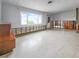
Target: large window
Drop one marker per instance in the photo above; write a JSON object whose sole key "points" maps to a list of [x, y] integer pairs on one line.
{"points": [[30, 19]]}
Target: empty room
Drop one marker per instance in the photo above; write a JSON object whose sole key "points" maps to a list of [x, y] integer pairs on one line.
{"points": [[39, 28]]}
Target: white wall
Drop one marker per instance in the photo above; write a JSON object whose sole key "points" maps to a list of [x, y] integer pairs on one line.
{"points": [[67, 15], [0, 11], [78, 14], [11, 14]]}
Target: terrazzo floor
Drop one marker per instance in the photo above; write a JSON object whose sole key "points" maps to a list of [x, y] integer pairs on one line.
{"points": [[47, 44]]}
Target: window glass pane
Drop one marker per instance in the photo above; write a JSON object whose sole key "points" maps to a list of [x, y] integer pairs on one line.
{"points": [[30, 19], [40, 19], [23, 19], [34, 19]]}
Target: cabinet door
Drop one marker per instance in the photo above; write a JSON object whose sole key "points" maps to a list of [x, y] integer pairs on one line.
{"points": [[9, 44], [1, 45]]}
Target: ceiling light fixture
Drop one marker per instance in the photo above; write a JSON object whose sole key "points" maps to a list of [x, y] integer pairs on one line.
{"points": [[49, 2]]}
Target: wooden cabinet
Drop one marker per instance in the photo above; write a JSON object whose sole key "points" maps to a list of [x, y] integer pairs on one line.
{"points": [[77, 27], [69, 24], [7, 39]]}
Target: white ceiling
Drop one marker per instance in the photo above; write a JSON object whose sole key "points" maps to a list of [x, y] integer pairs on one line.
{"points": [[42, 5]]}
